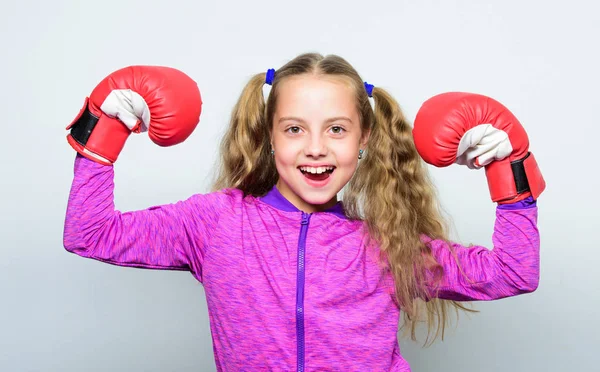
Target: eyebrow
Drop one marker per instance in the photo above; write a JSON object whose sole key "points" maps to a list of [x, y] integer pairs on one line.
{"points": [[337, 118]]}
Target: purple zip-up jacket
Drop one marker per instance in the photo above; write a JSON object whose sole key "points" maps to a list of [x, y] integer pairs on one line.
{"points": [[288, 290]]}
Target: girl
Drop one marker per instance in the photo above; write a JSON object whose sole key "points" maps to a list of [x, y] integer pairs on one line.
{"points": [[294, 277]]}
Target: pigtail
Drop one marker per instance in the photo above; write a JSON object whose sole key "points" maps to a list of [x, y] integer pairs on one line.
{"points": [[399, 208], [246, 161]]}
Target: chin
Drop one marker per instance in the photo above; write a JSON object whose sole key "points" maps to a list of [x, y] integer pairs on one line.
{"points": [[317, 198]]}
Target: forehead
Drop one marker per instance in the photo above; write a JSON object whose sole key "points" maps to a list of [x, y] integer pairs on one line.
{"points": [[315, 95]]}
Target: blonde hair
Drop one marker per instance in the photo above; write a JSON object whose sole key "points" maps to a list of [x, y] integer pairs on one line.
{"points": [[390, 190]]}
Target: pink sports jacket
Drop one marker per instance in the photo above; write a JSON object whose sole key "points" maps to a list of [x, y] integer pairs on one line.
{"points": [[288, 290]]}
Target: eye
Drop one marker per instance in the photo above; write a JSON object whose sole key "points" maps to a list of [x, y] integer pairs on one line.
{"points": [[337, 130], [293, 130]]}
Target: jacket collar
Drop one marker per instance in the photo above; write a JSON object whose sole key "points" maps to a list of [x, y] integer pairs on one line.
{"points": [[276, 200]]}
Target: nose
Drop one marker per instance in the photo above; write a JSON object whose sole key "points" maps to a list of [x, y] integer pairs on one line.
{"points": [[316, 146]]}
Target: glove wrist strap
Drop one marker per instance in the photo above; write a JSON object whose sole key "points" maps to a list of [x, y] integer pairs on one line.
{"points": [[98, 138], [511, 181]]}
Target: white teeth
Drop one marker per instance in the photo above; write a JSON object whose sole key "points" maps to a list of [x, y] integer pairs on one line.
{"points": [[317, 170]]}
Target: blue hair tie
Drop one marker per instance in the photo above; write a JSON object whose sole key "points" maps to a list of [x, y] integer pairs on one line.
{"points": [[369, 89], [270, 76]]}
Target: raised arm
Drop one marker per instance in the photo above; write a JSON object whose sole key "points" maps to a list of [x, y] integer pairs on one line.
{"points": [[479, 132], [166, 103]]}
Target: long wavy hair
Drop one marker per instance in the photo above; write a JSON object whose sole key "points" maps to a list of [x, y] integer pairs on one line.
{"points": [[390, 191]]}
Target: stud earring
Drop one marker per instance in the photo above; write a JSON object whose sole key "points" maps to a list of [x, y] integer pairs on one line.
{"points": [[272, 152], [360, 154]]}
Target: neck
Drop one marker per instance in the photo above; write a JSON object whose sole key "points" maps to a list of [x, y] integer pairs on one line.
{"points": [[301, 204]]}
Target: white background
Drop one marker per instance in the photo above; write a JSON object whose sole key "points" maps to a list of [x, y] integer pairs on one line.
{"points": [[60, 312]]}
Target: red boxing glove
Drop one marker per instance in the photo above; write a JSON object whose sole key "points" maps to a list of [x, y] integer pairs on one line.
{"points": [[163, 101], [478, 131]]}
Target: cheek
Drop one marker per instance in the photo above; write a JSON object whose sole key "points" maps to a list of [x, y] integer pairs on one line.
{"points": [[286, 150], [346, 155], [284, 160], [285, 156]]}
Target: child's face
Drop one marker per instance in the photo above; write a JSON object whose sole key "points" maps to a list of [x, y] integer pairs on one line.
{"points": [[315, 124]]}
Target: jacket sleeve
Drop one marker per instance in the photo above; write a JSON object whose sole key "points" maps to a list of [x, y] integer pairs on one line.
{"points": [[166, 237], [477, 273]]}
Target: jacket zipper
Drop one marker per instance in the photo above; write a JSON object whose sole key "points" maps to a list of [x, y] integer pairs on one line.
{"points": [[300, 290]]}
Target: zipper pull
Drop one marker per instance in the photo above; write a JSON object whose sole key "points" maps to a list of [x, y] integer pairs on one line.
{"points": [[304, 218]]}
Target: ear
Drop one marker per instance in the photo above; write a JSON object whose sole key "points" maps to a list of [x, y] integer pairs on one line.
{"points": [[365, 139]]}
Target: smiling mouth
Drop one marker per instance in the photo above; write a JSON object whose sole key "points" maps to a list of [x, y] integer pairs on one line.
{"points": [[319, 175]]}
